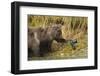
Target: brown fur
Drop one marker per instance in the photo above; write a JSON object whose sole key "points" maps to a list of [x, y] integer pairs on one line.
{"points": [[40, 39]]}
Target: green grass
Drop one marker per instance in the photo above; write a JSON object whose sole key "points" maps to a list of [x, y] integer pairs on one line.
{"points": [[74, 28]]}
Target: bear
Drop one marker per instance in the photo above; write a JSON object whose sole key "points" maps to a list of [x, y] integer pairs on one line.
{"points": [[40, 39]]}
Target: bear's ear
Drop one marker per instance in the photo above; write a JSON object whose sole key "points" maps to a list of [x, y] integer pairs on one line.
{"points": [[62, 23]]}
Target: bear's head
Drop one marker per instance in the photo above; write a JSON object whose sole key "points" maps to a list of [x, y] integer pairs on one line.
{"points": [[57, 33]]}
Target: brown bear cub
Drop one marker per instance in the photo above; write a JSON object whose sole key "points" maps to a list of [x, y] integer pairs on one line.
{"points": [[40, 39]]}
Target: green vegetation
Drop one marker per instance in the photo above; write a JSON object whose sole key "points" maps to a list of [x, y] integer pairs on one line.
{"points": [[74, 28]]}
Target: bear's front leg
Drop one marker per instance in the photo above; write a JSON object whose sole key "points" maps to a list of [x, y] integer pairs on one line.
{"points": [[45, 47]]}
